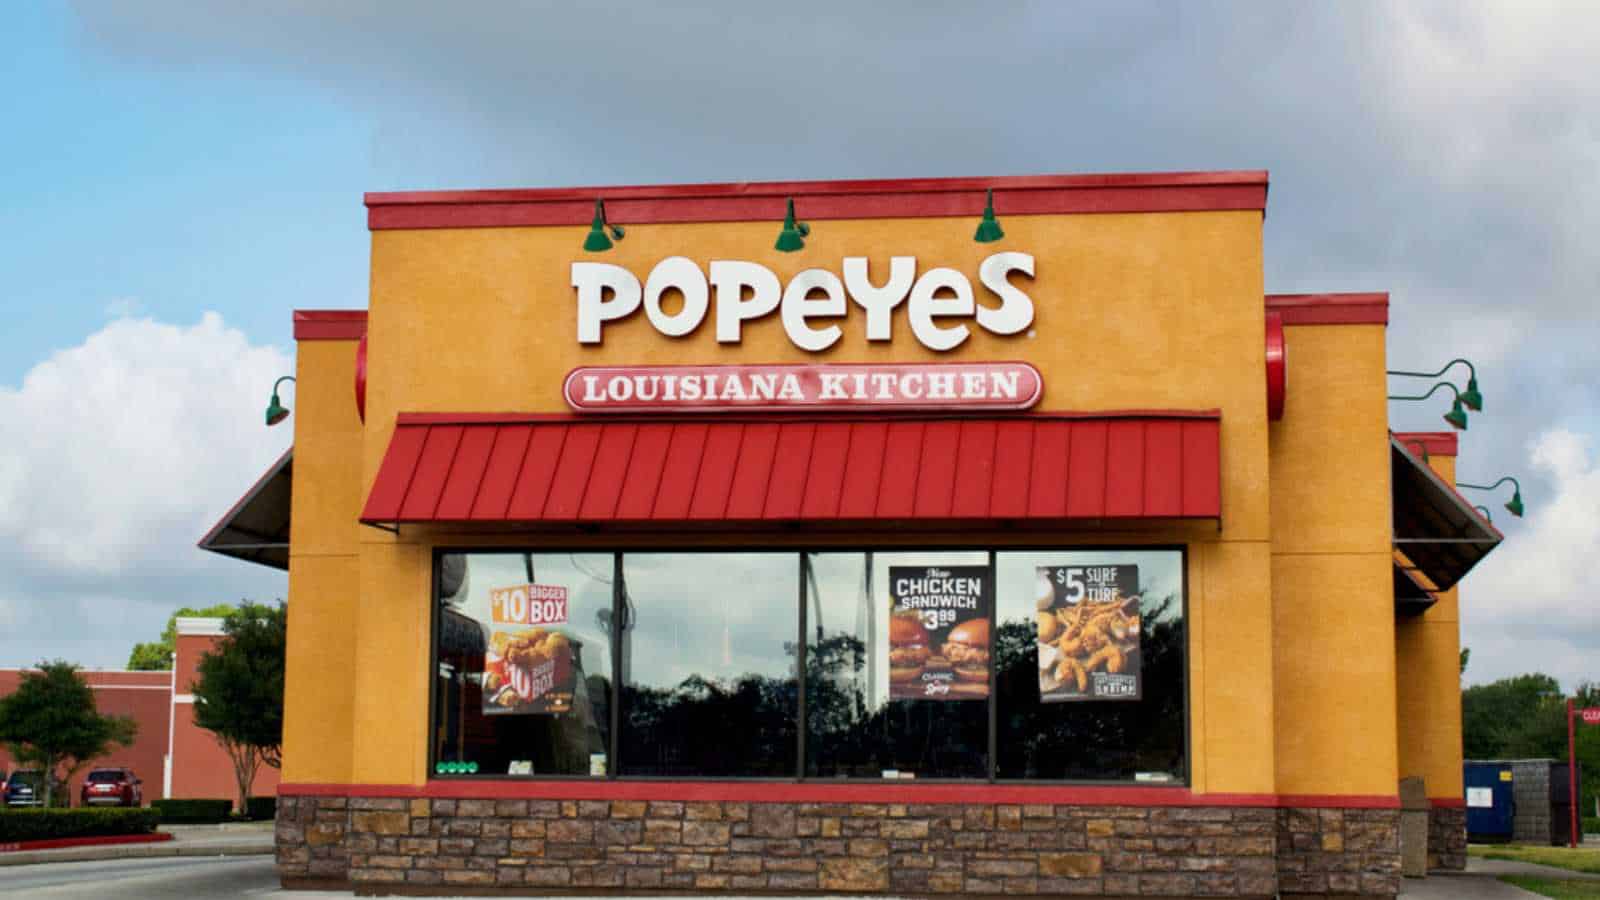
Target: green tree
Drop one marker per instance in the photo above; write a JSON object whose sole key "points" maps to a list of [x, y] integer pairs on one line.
{"points": [[239, 694], [1525, 717], [51, 721], [156, 656]]}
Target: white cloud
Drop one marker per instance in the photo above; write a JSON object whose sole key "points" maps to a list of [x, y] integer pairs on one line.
{"points": [[1530, 605], [117, 451], [116, 455]]}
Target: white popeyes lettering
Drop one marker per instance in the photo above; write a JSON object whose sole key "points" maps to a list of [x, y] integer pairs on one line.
{"points": [[730, 278], [1016, 308], [879, 302], [676, 272], [592, 281], [798, 306], [607, 293], [926, 305]]}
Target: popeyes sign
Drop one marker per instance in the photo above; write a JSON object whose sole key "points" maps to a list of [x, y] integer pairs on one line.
{"points": [[941, 309], [939, 302]]}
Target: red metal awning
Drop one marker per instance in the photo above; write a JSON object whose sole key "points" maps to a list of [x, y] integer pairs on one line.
{"points": [[534, 469]]}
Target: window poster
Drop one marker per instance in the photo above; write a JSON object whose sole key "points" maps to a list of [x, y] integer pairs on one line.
{"points": [[939, 632], [529, 665], [1088, 630]]}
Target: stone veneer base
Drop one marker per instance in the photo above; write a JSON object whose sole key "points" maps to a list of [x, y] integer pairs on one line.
{"points": [[1447, 839], [434, 846]]}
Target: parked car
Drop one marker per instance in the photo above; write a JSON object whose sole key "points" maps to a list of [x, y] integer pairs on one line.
{"points": [[112, 787], [25, 787]]}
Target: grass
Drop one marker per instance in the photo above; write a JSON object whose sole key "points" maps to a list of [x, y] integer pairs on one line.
{"points": [[1561, 890], [1581, 859]]}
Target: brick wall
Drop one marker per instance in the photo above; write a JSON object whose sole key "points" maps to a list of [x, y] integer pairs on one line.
{"points": [[1447, 839], [387, 845]]}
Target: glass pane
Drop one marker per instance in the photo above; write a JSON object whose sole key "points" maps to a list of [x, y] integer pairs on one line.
{"points": [[710, 681], [1091, 677], [858, 724], [524, 666]]}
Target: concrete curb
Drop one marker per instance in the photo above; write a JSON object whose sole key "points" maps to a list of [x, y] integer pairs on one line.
{"points": [[136, 851]]}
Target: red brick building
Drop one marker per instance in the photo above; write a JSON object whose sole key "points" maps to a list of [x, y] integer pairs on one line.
{"points": [[174, 756]]}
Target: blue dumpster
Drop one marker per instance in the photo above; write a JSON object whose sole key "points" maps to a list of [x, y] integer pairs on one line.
{"points": [[1490, 805]]}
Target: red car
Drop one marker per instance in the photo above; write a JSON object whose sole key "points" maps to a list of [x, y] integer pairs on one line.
{"points": [[112, 787]]}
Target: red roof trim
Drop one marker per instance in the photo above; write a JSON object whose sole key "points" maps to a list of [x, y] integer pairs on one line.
{"points": [[573, 470], [820, 792], [329, 324], [820, 200], [514, 418], [1331, 309], [1438, 443]]}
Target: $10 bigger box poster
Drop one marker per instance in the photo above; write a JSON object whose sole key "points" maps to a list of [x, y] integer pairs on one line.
{"points": [[939, 632], [1088, 632], [528, 668]]}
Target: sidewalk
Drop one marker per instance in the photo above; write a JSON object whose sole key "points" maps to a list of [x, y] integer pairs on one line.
{"points": [[232, 839], [1481, 881]]}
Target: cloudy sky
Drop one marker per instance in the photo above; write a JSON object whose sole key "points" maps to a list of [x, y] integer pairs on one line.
{"points": [[172, 185]]}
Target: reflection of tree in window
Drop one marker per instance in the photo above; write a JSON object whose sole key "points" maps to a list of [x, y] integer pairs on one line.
{"points": [[711, 687]]}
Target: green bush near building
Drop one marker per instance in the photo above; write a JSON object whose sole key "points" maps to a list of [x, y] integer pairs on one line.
{"points": [[50, 824], [193, 812], [261, 808]]}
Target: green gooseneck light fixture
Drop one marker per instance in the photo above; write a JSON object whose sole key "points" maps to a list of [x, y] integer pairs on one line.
{"points": [[1457, 417], [989, 229], [794, 234], [1514, 505], [276, 411], [597, 242], [1470, 397]]}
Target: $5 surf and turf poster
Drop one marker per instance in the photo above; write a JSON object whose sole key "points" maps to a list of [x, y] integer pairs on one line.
{"points": [[529, 666], [1088, 629], [939, 632]]}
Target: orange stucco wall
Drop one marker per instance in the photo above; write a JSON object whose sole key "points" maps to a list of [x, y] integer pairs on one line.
{"points": [[1428, 686], [320, 668], [1133, 311], [1333, 629]]}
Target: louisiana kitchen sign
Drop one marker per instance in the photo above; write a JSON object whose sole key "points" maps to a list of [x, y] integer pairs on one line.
{"points": [[842, 386]]}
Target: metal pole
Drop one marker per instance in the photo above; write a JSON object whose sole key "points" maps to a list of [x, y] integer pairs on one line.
{"points": [[1572, 778]]}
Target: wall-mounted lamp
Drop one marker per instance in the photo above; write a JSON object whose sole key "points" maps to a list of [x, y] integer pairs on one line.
{"points": [[597, 242], [988, 229], [1457, 417], [276, 411], [1514, 505], [1470, 397], [794, 234]]}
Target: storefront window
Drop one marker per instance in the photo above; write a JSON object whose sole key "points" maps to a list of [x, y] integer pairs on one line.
{"points": [[1091, 676], [709, 667], [882, 697], [523, 681], [1056, 665]]}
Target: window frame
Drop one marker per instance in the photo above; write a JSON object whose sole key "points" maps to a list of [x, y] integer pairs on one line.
{"points": [[619, 615]]}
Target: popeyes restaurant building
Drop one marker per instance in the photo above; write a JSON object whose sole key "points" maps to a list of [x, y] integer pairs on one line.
{"points": [[940, 551]]}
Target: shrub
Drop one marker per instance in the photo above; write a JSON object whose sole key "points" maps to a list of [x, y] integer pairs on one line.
{"points": [[1591, 824], [46, 824], [193, 812], [260, 808]]}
